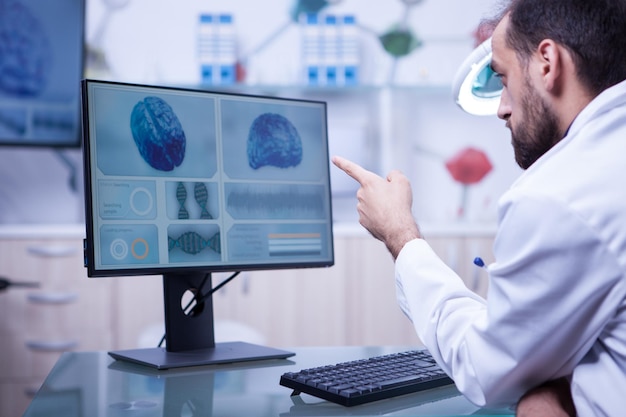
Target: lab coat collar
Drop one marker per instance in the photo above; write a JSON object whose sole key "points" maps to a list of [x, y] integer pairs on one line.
{"points": [[609, 99]]}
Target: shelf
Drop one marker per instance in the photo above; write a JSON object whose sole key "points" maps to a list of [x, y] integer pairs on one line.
{"points": [[42, 231], [259, 89]]}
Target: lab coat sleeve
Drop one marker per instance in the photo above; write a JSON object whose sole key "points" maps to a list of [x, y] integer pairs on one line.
{"points": [[551, 291]]}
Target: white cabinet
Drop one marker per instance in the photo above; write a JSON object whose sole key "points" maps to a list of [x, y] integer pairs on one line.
{"points": [[351, 303], [66, 312]]}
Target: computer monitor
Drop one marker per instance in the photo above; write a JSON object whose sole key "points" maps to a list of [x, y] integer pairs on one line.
{"points": [[183, 183], [41, 65]]}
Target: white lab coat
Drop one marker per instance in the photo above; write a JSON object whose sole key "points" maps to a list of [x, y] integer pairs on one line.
{"points": [[556, 304]]}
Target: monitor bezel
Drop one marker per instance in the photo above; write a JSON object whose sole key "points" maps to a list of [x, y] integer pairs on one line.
{"points": [[76, 142], [89, 247]]}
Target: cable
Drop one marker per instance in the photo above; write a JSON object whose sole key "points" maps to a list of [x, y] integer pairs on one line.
{"points": [[221, 284], [6, 283], [199, 299], [196, 298]]}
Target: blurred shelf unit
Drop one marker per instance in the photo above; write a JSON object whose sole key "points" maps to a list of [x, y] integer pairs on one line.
{"points": [[64, 313]]}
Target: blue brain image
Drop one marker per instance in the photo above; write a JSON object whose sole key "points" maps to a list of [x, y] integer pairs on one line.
{"points": [[158, 134], [25, 51], [273, 140]]}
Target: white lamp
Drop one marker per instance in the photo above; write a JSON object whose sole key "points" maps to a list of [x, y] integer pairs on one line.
{"points": [[476, 88]]}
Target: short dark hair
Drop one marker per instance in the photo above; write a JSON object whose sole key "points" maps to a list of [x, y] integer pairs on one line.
{"points": [[594, 32]]}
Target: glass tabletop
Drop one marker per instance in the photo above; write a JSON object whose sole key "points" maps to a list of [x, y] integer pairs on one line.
{"points": [[94, 384]]}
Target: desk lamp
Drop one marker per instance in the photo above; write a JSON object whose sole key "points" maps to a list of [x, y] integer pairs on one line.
{"points": [[476, 87]]}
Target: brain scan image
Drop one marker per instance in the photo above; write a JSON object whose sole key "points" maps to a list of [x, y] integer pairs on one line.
{"points": [[158, 133], [25, 51], [273, 141]]}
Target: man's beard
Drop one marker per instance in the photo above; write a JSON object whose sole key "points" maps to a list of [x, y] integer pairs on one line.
{"points": [[540, 131]]}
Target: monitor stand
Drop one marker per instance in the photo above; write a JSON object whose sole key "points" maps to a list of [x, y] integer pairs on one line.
{"points": [[190, 338]]}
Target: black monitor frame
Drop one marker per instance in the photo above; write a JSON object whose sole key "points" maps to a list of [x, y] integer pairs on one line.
{"points": [[190, 339], [11, 102]]}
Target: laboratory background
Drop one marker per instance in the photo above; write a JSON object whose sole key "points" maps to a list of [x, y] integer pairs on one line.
{"points": [[390, 106]]}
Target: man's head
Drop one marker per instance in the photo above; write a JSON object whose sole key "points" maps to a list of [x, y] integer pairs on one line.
{"points": [[554, 57], [594, 32]]}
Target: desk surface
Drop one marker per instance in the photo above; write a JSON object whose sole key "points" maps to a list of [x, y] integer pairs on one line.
{"points": [[93, 384]]}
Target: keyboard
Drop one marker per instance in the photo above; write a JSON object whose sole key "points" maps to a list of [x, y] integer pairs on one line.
{"points": [[366, 380]]}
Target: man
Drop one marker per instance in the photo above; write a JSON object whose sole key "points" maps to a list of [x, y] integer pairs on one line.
{"points": [[553, 326]]}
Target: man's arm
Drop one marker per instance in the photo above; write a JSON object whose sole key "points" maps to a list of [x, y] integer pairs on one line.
{"points": [[552, 399], [384, 205]]}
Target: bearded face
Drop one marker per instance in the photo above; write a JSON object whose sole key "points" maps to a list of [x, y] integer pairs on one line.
{"points": [[537, 132]]}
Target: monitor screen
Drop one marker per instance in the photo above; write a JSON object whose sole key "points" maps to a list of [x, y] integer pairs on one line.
{"points": [[184, 182], [41, 65]]}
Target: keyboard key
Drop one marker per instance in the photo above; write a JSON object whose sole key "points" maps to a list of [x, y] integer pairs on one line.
{"points": [[397, 382]]}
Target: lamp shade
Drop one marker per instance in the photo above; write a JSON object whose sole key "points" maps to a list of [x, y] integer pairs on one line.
{"points": [[476, 88]]}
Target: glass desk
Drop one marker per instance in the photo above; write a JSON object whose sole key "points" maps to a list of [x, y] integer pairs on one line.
{"points": [[95, 385]]}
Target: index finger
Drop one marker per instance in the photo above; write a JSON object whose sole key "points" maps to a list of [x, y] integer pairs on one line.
{"points": [[353, 169]]}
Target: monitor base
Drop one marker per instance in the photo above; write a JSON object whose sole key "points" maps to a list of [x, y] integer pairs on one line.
{"points": [[227, 352]]}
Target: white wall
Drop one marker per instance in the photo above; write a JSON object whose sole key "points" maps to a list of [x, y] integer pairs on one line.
{"points": [[154, 41]]}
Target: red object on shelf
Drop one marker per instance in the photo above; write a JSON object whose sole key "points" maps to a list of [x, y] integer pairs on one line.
{"points": [[469, 166], [240, 72]]}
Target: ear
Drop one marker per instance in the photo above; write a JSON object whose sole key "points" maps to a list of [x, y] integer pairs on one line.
{"points": [[550, 62]]}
